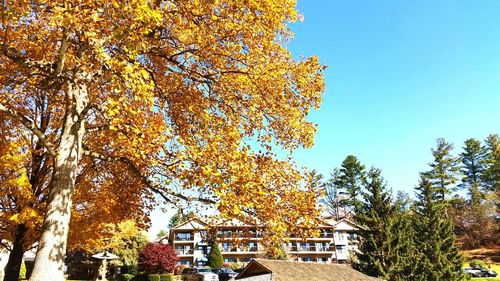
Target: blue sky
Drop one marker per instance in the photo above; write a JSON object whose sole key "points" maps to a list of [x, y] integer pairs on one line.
{"points": [[400, 74]]}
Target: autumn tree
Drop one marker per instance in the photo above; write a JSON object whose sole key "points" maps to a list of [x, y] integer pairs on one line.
{"points": [[161, 95], [127, 241], [157, 258], [24, 172]]}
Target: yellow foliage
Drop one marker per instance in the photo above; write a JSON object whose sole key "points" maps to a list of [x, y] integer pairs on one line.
{"points": [[176, 91]]}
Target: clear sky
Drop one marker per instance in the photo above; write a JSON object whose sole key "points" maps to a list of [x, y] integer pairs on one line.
{"points": [[400, 74]]}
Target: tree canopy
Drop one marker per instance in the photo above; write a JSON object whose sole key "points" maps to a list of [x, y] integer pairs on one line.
{"points": [[163, 98]]}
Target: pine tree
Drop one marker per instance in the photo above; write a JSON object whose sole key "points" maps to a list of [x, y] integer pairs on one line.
{"points": [[352, 178], [473, 166], [444, 168], [491, 175], [214, 257], [382, 239], [437, 256], [402, 240]]}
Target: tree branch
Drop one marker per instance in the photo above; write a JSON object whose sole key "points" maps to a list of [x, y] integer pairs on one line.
{"points": [[29, 124], [156, 188]]}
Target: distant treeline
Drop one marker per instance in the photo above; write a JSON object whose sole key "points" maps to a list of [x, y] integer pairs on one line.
{"points": [[418, 239]]}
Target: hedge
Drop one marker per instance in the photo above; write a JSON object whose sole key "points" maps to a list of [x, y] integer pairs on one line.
{"points": [[147, 277], [125, 277], [167, 277]]}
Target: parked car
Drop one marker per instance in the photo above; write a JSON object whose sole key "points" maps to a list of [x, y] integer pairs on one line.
{"points": [[473, 272], [225, 274], [198, 274], [488, 273], [480, 272]]}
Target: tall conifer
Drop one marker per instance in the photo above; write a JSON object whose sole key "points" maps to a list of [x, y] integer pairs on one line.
{"points": [[491, 175], [385, 245], [214, 258], [444, 168], [352, 178], [473, 167], [437, 256]]}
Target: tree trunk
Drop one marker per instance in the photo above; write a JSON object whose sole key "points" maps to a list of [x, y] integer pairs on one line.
{"points": [[51, 252], [16, 256]]}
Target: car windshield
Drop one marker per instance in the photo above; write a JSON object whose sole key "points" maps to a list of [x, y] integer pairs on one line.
{"points": [[228, 270], [204, 270]]}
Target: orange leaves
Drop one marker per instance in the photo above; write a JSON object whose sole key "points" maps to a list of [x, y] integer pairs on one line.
{"points": [[185, 91]]}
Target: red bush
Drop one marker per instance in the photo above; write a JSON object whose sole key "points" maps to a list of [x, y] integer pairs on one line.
{"points": [[157, 258]]}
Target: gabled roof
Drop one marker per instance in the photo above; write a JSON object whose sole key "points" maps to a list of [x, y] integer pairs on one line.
{"points": [[288, 270], [192, 223], [345, 224]]}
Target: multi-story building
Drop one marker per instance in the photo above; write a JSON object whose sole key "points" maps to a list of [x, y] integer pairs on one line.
{"points": [[240, 242]]}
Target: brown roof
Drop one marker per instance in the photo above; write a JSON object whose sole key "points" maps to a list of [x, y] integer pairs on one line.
{"points": [[289, 270]]}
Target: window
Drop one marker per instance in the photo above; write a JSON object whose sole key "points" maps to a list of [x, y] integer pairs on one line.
{"points": [[183, 236], [184, 262], [226, 247], [229, 260]]}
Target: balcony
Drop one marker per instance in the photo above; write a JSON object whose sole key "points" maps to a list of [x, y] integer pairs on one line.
{"points": [[340, 239], [326, 235], [248, 249], [303, 249], [185, 252], [180, 237]]}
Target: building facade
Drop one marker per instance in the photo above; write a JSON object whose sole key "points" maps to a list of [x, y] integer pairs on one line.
{"points": [[240, 242]]}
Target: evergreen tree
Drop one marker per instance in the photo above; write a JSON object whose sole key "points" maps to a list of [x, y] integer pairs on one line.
{"points": [[444, 168], [491, 175], [386, 241], [402, 240], [214, 257], [179, 218], [162, 233], [351, 179], [437, 256], [473, 166]]}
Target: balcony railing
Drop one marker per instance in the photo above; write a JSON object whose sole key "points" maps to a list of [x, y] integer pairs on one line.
{"points": [[248, 249], [183, 238], [226, 249], [303, 249], [312, 249], [185, 252]]}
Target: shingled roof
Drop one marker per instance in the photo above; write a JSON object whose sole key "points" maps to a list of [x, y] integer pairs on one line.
{"points": [[289, 270]]}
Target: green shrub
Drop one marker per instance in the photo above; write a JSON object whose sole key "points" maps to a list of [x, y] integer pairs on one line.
{"points": [[153, 277], [215, 259], [167, 277], [477, 264], [125, 277], [140, 277], [22, 271]]}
